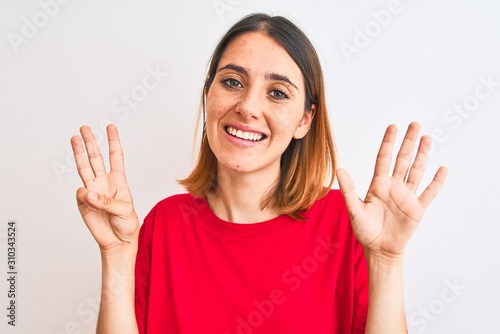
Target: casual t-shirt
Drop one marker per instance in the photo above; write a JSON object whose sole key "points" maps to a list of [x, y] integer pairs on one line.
{"points": [[196, 273]]}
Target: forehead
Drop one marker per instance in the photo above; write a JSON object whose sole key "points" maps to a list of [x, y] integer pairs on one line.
{"points": [[260, 54]]}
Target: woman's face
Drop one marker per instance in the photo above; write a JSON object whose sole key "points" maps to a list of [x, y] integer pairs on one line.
{"points": [[255, 105]]}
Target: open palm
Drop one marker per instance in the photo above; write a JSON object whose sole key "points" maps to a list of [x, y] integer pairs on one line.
{"points": [[105, 202], [391, 211]]}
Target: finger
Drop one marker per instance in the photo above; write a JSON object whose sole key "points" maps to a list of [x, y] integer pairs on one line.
{"points": [[82, 163], [93, 152], [384, 156], [116, 160], [434, 187], [82, 201], [405, 154], [417, 169], [348, 191], [102, 202]]}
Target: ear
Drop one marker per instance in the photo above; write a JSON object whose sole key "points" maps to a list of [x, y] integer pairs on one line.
{"points": [[305, 123]]}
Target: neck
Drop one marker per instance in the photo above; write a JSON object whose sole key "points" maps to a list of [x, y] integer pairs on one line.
{"points": [[239, 196]]}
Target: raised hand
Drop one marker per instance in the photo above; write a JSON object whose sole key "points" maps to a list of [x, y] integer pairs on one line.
{"points": [[390, 213], [105, 202]]}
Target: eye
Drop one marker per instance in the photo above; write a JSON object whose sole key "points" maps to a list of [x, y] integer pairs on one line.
{"points": [[232, 83], [278, 94]]}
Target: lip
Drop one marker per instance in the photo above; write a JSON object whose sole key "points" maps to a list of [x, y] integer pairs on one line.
{"points": [[244, 128]]}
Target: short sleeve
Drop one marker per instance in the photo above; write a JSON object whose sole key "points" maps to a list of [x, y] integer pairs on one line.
{"points": [[142, 271], [360, 290]]}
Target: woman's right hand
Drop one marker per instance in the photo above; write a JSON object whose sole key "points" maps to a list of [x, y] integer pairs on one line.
{"points": [[105, 202]]}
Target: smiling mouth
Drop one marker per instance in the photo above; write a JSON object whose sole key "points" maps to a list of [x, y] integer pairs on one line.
{"points": [[251, 136]]}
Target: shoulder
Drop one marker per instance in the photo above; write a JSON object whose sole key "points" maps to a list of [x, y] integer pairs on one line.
{"points": [[333, 201], [173, 201], [333, 195], [175, 207], [330, 212]]}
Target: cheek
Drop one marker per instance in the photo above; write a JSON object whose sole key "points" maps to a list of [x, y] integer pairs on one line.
{"points": [[215, 111], [283, 122], [216, 106]]}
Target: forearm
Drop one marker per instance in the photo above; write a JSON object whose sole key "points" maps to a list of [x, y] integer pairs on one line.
{"points": [[385, 304], [117, 312]]}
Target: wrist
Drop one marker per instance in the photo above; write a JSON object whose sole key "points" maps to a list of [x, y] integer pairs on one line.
{"points": [[120, 256], [383, 260], [118, 271]]}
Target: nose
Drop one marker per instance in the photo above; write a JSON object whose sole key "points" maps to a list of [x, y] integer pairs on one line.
{"points": [[251, 104]]}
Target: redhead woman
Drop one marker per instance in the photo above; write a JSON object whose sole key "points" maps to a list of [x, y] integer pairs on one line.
{"points": [[259, 243]]}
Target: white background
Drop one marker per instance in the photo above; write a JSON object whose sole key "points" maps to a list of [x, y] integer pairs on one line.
{"points": [[76, 66]]}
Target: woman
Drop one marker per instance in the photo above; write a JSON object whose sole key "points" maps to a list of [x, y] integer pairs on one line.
{"points": [[258, 244]]}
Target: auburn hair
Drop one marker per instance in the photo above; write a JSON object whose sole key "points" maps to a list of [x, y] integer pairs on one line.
{"points": [[307, 166]]}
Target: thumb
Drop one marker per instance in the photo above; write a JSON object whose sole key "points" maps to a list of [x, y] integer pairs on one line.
{"points": [[95, 201], [348, 191]]}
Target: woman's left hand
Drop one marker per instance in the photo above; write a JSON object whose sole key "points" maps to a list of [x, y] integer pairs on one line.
{"points": [[391, 211]]}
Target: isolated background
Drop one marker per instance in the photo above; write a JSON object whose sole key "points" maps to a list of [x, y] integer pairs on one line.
{"points": [[75, 69]]}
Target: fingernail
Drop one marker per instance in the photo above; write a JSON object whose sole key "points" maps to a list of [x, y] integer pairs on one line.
{"points": [[93, 196]]}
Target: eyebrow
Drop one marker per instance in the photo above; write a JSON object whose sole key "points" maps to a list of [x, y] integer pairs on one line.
{"points": [[271, 76], [280, 77], [237, 68]]}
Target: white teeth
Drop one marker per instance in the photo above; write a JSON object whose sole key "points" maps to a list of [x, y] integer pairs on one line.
{"points": [[244, 135]]}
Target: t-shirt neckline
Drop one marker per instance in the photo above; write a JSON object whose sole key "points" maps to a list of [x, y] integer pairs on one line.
{"points": [[240, 230]]}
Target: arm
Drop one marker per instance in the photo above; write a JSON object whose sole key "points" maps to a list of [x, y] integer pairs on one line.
{"points": [[385, 295], [117, 312], [105, 204], [385, 221]]}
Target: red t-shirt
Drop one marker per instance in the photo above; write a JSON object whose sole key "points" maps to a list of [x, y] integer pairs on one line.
{"points": [[196, 273]]}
